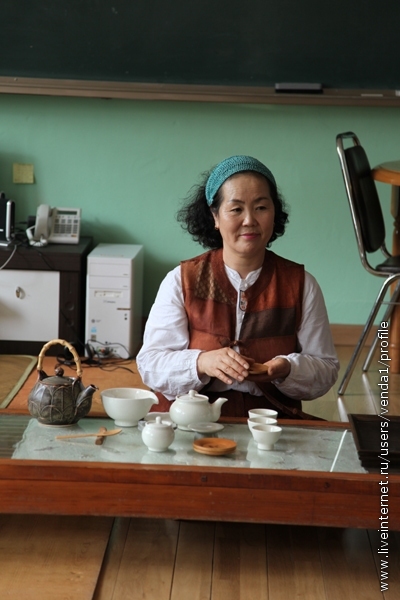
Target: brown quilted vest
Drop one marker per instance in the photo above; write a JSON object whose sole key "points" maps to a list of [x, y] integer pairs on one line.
{"points": [[273, 306]]}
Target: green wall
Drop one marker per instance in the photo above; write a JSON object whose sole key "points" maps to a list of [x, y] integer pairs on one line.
{"points": [[129, 164]]}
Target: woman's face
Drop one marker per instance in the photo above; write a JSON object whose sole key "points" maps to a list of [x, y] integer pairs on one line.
{"points": [[245, 217]]}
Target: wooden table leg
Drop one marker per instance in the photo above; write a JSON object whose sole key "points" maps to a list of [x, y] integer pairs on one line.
{"points": [[394, 343]]}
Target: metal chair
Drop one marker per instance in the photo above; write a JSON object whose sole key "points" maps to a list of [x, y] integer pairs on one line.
{"points": [[370, 233]]}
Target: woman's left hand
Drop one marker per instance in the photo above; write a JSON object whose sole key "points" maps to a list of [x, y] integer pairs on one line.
{"points": [[278, 368]]}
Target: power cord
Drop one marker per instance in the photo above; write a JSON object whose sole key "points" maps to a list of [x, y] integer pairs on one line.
{"points": [[107, 349], [104, 360], [10, 257], [40, 243]]}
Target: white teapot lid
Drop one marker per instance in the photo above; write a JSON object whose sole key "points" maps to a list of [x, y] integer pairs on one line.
{"points": [[192, 395]]}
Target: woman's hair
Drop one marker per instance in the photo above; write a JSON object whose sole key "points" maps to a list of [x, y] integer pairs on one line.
{"points": [[197, 219]]}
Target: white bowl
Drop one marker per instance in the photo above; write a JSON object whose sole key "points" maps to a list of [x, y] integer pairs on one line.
{"points": [[263, 412], [266, 436], [260, 421], [127, 405]]}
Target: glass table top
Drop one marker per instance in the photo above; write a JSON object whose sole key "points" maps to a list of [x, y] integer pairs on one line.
{"points": [[299, 448]]}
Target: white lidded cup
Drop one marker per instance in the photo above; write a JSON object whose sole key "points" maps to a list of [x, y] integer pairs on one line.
{"points": [[266, 436], [260, 421], [158, 436], [263, 412]]}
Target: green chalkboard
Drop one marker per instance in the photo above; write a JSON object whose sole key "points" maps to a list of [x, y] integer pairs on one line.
{"points": [[340, 44]]}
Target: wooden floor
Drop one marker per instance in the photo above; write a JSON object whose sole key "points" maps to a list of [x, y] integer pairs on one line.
{"points": [[81, 558]]}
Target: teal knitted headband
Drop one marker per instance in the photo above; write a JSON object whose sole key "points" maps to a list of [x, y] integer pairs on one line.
{"points": [[231, 166]]}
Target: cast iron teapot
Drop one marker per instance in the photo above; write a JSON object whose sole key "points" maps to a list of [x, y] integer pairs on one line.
{"points": [[60, 400]]}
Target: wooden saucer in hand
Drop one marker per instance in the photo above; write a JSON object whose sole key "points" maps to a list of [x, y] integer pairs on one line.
{"points": [[257, 369]]}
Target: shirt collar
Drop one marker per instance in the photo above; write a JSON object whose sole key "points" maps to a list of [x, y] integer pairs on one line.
{"points": [[239, 283]]}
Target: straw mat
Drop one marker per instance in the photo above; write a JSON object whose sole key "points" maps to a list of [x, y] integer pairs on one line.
{"points": [[14, 370]]}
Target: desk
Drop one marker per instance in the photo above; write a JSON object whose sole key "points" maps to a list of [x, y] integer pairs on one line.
{"points": [[68, 261], [389, 172], [105, 480]]}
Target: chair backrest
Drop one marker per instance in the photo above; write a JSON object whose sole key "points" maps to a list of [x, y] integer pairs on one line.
{"points": [[362, 194]]}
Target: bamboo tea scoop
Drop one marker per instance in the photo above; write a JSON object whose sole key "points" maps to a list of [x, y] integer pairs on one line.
{"points": [[100, 437], [100, 434]]}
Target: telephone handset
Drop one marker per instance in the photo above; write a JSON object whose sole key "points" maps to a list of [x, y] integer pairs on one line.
{"points": [[55, 226]]}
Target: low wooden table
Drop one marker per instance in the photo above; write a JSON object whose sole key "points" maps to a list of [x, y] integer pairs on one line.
{"points": [[389, 172], [194, 491]]}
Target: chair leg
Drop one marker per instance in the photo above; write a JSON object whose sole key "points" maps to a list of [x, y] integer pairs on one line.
{"points": [[363, 337], [386, 317]]}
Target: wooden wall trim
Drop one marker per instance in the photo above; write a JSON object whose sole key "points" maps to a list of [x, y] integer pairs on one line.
{"points": [[343, 335], [193, 93], [348, 335]]}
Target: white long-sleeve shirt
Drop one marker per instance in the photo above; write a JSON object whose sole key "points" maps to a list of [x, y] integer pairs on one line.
{"points": [[167, 365]]}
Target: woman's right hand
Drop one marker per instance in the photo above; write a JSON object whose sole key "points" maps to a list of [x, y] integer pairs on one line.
{"points": [[224, 364]]}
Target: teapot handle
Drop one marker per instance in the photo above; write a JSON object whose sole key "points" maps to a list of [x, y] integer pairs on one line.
{"points": [[67, 345]]}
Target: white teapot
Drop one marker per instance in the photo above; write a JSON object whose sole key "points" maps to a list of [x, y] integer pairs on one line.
{"points": [[195, 408]]}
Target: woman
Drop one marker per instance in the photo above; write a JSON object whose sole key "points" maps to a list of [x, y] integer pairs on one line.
{"points": [[239, 304]]}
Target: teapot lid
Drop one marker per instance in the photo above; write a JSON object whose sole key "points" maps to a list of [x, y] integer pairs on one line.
{"points": [[159, 423], [192, 395], [57, 379]]}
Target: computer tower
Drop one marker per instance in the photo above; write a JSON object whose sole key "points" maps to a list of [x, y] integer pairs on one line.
{"points": [[114, 298]]}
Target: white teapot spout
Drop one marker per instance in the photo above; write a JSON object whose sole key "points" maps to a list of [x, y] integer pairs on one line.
{"points": [[215, 408]]}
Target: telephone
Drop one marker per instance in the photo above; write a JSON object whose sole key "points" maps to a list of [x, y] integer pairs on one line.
{"points": [[55, 226]]}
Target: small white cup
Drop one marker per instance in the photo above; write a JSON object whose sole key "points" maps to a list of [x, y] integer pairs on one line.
{"points": [[260, 421], [266, 436], [263, 412]]}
